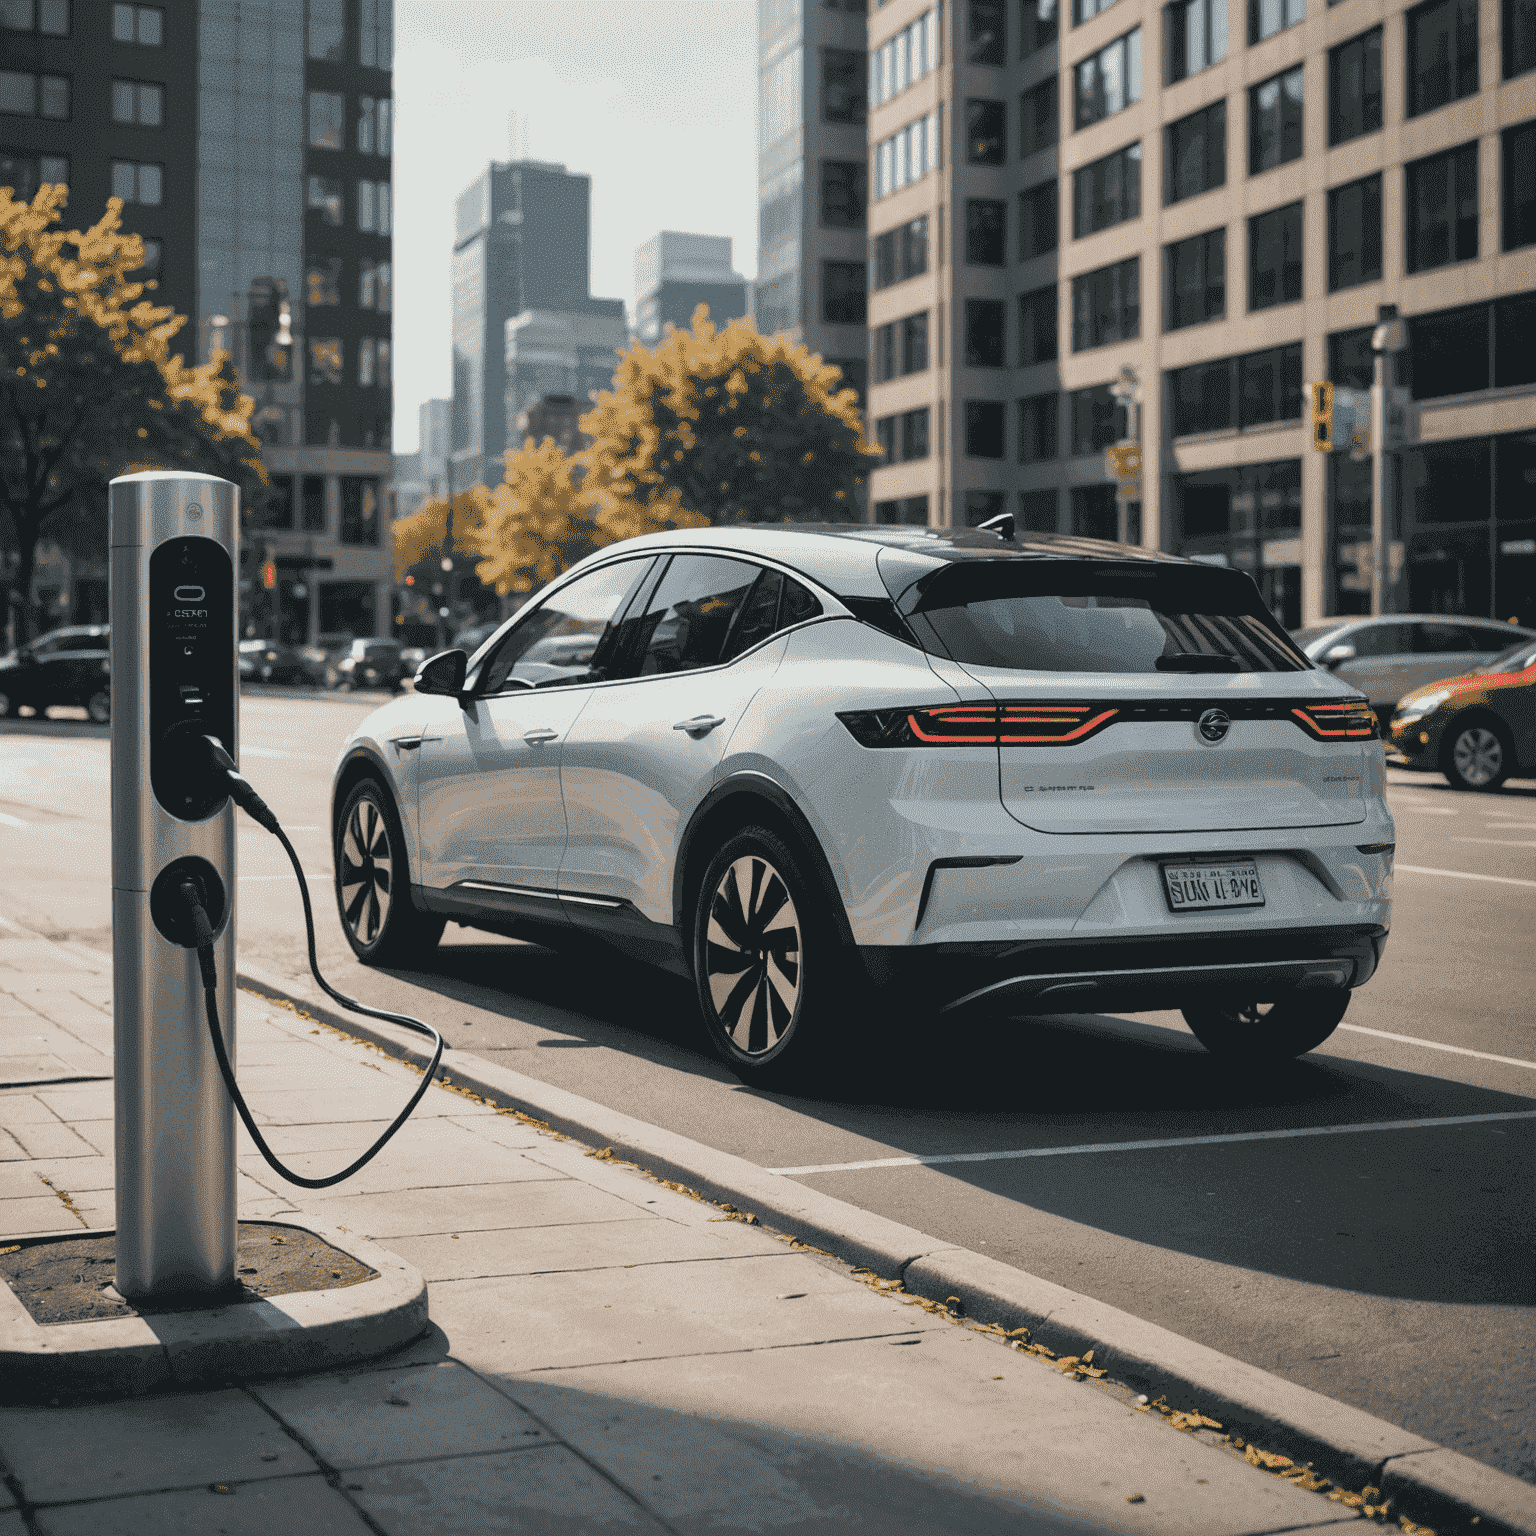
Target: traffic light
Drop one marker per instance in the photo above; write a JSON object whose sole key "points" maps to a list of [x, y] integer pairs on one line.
{"points": [[269, 574], [1322, 417]]}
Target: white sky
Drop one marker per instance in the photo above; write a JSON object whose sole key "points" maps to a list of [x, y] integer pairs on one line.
{"points": [[654, 99]]}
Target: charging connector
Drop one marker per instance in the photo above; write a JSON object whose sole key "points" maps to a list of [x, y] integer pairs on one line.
{"points": [[191, 898]]}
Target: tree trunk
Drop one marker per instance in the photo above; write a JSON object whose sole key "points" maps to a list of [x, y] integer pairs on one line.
{"points": [[28, 528]]}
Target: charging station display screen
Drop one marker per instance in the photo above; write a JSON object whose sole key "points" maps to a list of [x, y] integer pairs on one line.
{"points": [[191, 672]]}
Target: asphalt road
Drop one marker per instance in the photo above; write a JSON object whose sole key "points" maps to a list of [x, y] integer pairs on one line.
{"points": [[1383, 1261]]}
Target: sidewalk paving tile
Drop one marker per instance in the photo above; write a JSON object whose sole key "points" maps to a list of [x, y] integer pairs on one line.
{"points": [[91, 1102], [543, 1491], [18, 1181], [42, 1213], [468, 1208], [299, 1506], [11, 1150], [317, 1106], [18, 1107], [373, 1418], [504, 1130], [40, 1141], [144, 1445]]}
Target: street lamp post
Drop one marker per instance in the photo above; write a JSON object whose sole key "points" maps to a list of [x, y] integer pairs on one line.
{"points": [[1388, 337]]}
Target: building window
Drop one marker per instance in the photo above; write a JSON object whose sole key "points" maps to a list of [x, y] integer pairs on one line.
{"points": [[1196, 278], [1519, 175], [904, 59], [278, 512], [901, 253], [1039, 426], [1454, 351], [1519, 37], [1442, 54], [780, 94], [359, 510], [986, 232], [373, 125], [1274, 121], [367, 284], [855, 372], [1038, 327], [1354, 233], [313, 503], [842, 86], [1106, 305], [376, 43], [983, 429], [1037, 25], [373, 207], [900, 347], [327, 128], [1196, 36], [1274, 257], [984, 333], [1093, 512], [844, 193], [982, 506], [843, 292], [1108, 81], [1354, 87], [1442, 209], [986, 130], [1196, 153], [1201, 397], [1094, 417], [911, 510], [885, 437], [1266, 17], [327, 30], [1038, 220], [907, 156], [322, 281], [1269, 386], [28, 95], [914, 434], [141, 24], [1252, 391], [50, 17], [984, 27], [325, 197], [325, 360], [143, 184], [24, 173], [138, 102], [1039, 117], [1107, 192]]}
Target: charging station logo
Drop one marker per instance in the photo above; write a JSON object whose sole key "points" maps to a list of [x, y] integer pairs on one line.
{"points": [[189, 594]]}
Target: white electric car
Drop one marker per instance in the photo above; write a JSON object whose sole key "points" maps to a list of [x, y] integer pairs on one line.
{"points": [[810, 766]]}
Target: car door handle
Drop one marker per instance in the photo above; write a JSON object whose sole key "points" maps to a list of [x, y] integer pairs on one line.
{"points": [[700, 725], [539, 735]]}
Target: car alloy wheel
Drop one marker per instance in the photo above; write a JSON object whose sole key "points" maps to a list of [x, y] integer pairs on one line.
{"points": [[752, 955], [365, 876], [99, 707], [373, 889], [1478, 758]]}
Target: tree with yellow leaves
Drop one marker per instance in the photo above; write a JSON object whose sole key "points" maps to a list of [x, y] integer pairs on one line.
{"points": [[723, 426], [88, 382]]}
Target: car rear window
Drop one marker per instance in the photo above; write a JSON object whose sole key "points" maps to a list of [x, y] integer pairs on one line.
{"points": [[1084, 616]]}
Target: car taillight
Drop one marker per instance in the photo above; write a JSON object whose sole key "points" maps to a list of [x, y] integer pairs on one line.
{"points": [[1353, 721], [979, 725]]}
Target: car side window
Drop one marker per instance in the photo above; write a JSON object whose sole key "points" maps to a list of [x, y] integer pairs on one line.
{"points": [[561, 641], [799, 604], [1447, 639], [757, 618], [1380, 640], [685, 623]]}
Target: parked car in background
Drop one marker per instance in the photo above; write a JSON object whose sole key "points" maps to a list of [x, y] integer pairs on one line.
{"points": [[410, 659], [324, 656], [473, 636], [1387, 658], [65, 666], [269, 661], [1477, 729], [371, 664]]}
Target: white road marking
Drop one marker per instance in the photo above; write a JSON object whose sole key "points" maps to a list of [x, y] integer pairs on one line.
{"points": [[1528, 826], [13, 821], [1497, 842], [1461, 874], [1427, 810], [1158, 1146], [1435, 1045]]}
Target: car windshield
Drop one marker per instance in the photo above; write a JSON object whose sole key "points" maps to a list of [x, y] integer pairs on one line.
{"points": [[1090, 616], [1516, 659]]}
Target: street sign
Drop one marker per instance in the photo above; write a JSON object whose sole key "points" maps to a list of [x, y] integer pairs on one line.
{"points": [[1122, 461], [1341, 419]]}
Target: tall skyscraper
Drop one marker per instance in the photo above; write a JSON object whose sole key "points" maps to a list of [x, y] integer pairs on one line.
{"points": [[521, 242], [250, 142], [675, 273], [812, 177]]}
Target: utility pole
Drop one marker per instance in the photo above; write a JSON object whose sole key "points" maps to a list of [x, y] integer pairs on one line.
{"points": [[1123, 462], [1389, 336]]}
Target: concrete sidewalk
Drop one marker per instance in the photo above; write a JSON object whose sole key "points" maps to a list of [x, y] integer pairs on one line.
{"points": [[741, 1382]]}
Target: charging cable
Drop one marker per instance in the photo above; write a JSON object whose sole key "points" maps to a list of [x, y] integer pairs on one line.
{"points": [[253, 805]]}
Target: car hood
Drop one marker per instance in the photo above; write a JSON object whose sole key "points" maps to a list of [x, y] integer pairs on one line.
{"points": [[1468, 683]]}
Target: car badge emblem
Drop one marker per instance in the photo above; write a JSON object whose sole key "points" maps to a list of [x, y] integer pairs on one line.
{"points": [[1214, 724]]}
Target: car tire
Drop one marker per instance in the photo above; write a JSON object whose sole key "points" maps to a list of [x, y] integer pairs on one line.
{"points": [[775, 1011], [1478, 755], [99, 707], [373, 888], [1257, 1034]]}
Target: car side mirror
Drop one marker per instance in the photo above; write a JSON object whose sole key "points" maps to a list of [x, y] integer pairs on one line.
{"points": [[443, 673], [1337, 655]]}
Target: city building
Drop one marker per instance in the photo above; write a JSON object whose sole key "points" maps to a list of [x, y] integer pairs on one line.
{"points": [[1187, 213], [812, 178], [250, 141], [522, 232], [421, 476], [675, 273], [550, 353]]}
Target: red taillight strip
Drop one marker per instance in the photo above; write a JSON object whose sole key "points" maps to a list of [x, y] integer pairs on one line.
{"points": [[983, 715], [1354, 721], [1011, 716]]}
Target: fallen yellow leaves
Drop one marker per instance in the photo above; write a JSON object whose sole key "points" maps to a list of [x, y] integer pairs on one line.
{"points": [[14, 1248]]}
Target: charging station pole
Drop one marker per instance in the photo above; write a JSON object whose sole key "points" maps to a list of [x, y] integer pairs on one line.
{"points": [[175, 555]]}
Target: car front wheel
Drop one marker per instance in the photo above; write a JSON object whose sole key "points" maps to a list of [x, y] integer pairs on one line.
{"points": [[373, 893], [1257, 1034], [773, 977], [1478, 756]]}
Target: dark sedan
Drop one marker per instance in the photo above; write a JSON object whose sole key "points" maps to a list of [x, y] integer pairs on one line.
{"points": [[65, 666]]}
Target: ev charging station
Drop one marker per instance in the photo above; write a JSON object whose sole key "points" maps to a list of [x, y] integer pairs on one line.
{"points": [[175, 680]]}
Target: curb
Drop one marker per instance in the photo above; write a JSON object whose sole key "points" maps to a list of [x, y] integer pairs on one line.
{"points": [[1434, 1486], [283, 1335]]}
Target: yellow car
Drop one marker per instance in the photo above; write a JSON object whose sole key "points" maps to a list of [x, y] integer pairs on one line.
{"points": [[1476, 729]]}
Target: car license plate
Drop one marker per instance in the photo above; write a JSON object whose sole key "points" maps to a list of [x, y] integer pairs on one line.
{"points": [[1201, 887]]}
